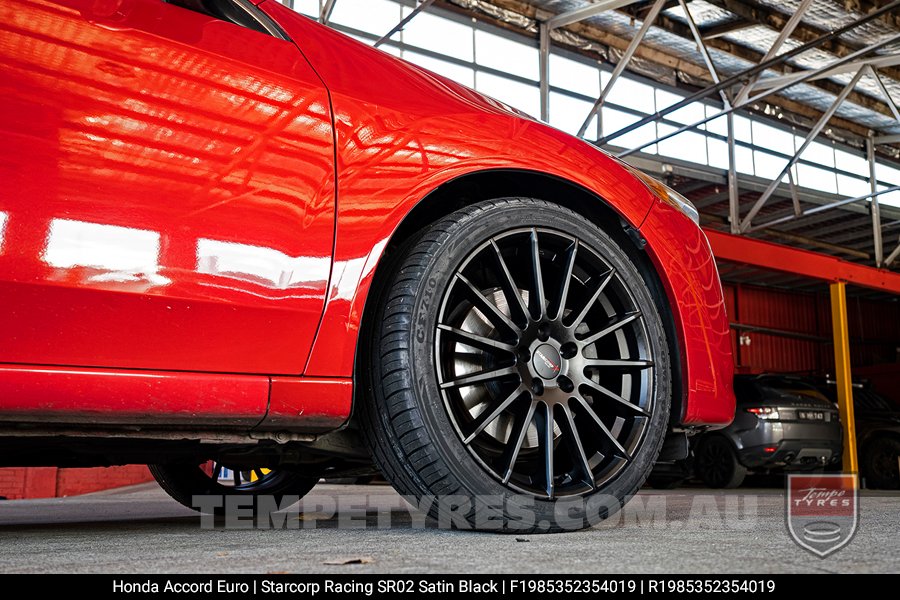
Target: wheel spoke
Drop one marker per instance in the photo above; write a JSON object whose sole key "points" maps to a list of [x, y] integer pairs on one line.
{"points": [[544, 422], [576, 449], [479, 377], [488, 308], [477, 341], [612, 395], [489, 414], [515, 441], [604, 281], [617, 447], [563, 296], [538, 297], [617, 363], [509, 287], [615, 326], [236, 475], [217, 470]]}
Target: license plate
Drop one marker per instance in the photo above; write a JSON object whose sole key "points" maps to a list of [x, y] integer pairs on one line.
{"points": [[811, 415]]}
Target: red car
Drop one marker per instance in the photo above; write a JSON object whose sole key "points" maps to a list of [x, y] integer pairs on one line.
{"points": [[235, 241]]}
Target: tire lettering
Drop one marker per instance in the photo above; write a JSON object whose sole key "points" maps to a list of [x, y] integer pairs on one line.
{"points": [[427, 295]]}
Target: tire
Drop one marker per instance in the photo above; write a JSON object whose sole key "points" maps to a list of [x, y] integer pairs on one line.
{"points": [[182, 481], [430, 446], [717, 465], [880, 466]]}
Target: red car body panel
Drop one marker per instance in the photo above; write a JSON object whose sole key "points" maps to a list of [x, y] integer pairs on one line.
{"points": [[42, 395], [681, 253], [111, 396], [169, 196], [174, 214], [308, 403]]}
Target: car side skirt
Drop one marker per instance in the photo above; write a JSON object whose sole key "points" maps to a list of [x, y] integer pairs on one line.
{"points": [[53, 397]]}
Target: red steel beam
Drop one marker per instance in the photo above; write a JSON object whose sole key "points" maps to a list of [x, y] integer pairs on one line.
{"points": [[766, 255]]}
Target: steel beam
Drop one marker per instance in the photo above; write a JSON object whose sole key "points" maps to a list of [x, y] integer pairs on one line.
{"points": [[892, 256], [837, 204], [783, 36], [776, 257], [734, 194], [749, 102], [774, 17], [717, 31], [795, 199], [813, 133], [817, 244], [403, 22], [853, 239], [562, 20], [759, 68], [850, 67], [327, 9], [544, 70], [842, 373], [701, 47], [887, 139], [752, 56], [690, 188], [711, 199], [623, 62], [874, 207], [586, 12], [884, 92]]}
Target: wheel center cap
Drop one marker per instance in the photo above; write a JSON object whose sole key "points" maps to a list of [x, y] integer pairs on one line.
{"points": [[546, 361]]}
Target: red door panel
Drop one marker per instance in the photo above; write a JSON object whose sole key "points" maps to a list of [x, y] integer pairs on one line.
{"points": [[168, 190]]}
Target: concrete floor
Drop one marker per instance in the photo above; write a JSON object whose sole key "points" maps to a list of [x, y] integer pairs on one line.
{"points": [[139, 530]]}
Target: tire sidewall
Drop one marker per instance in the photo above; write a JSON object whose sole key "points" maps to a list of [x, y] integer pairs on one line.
{"points": [[452, 249]]}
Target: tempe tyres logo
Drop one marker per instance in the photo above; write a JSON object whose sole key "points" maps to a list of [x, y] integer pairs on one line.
{"points": [[822, 511]]}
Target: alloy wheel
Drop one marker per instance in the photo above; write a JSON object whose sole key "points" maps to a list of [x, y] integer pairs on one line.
{"points": [[543, 363]]}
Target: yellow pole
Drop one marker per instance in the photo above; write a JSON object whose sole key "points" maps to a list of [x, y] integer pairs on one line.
{"points": [[842, 372]]}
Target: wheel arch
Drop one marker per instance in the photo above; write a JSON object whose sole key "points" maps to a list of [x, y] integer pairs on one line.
{"points": [[471, 188]]}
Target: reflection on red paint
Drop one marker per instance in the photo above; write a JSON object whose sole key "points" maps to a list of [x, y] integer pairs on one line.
{"points": [[157, 215]]}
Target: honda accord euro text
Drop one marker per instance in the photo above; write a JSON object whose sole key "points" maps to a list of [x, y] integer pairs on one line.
{"points": [[252, 252]]}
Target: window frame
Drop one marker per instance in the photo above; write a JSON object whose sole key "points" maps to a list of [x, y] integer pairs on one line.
{"points": [[252, 11]]}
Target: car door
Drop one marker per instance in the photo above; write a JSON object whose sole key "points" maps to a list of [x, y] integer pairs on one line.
{"points": [[168, 187]]}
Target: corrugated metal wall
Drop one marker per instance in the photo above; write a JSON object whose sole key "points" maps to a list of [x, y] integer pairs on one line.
{"points": [[801, 336]]}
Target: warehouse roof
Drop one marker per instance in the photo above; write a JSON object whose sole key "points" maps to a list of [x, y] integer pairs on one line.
{"points": [[737, 35]]}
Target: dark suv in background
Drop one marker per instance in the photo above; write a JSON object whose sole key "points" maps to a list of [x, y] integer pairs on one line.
{"points": [[877, 435], [781, 423]]}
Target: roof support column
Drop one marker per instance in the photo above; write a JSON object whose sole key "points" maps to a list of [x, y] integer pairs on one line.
{"points": [[842, 373], [734, 196], [544, 74], [874, 207]]}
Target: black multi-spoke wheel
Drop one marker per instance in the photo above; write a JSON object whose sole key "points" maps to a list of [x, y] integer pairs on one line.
{"points": [[716, 463], [518, 351], [543, 362], [183, 481]]}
